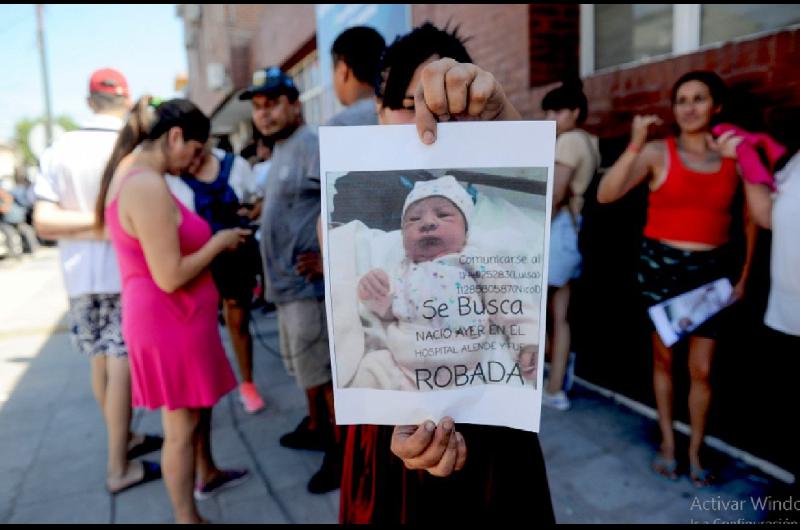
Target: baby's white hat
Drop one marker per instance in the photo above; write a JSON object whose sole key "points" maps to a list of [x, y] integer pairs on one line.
{"points": [[445, 186]]}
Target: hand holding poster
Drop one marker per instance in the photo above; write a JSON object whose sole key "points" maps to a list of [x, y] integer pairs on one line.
{"points": [[435, 275]]}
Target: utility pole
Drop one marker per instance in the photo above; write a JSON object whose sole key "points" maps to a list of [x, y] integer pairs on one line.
{"points": [[43, 57]]}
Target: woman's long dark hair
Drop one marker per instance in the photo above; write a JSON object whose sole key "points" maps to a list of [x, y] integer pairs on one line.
{"points": [[148, 122]]}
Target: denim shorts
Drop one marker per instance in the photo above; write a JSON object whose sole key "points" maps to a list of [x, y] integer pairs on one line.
{"points": [[565, 258]]}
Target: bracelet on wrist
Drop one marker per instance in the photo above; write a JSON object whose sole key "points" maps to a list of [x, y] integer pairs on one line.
{"points": [[633, 148]]}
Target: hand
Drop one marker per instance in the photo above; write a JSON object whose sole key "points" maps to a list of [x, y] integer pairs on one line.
{"points": [[528, 362], [374, 289], [641, 127], [458, 91], [725, 145], [738, 292], [230, 238], [438, 450], [309, 265]]}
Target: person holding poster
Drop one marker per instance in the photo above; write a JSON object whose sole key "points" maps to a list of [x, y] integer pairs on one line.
{"points": [[440, 472], [693, 180]]}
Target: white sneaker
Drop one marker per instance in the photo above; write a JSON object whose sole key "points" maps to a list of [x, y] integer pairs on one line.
{"points": [[558, 401]]}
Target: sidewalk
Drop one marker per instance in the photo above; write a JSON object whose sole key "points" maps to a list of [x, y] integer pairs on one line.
{"points": [[52, 439]]}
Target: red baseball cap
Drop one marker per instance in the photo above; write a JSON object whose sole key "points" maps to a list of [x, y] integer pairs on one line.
{"points": [[109, 81]]}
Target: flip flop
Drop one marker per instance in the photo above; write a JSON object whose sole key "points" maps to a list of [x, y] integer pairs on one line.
{"points": [[148, 445], [701, 478], [152, 471], [665, 467]]}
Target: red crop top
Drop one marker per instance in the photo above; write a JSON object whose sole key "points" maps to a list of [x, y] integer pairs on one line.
{"points": [[691, 205]]}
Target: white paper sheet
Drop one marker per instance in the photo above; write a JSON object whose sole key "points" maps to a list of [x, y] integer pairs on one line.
{"points": [[430, 349], [677, 317]]}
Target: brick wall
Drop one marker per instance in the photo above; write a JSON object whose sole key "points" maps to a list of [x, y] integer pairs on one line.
{"points": [[762, 74], [500, 42], [223, 35], [284, 29], [554, 31], [211, 47]]}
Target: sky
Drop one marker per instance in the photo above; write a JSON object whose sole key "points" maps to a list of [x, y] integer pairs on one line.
{"points": [[144, 42]]}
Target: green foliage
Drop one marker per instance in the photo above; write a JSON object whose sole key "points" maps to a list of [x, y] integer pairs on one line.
{"points": [[23, 128]]}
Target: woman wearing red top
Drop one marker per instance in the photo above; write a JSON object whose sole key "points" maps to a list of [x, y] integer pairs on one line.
{"points": [[693, 179]]}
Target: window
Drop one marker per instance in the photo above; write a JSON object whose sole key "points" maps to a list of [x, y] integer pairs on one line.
{"points": [[721, 22], [630, 32], [306, 75], [619, 35]]}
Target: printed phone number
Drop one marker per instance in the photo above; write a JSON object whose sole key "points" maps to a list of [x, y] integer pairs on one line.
{"points": [[499, 289]]}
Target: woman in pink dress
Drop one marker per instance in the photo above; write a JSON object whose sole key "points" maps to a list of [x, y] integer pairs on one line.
{"points": [[169, 301]]}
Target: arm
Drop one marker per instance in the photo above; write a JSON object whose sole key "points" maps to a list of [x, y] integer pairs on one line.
{"points": [[563, 178], [750, 233], [726, 146], [151, 212], [759, 204], [52, 221], [633, 166], [375, 292], [5, 201]]}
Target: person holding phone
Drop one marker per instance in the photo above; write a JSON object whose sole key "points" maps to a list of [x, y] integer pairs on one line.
{"points": [[221, 182]]}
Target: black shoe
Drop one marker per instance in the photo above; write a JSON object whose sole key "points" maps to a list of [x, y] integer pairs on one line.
{"points": [[329, 476], [303, 438], [148, 445]]}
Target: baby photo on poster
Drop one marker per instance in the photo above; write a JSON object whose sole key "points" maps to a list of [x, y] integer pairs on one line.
{"points": [[435, 282], [446, 276]]}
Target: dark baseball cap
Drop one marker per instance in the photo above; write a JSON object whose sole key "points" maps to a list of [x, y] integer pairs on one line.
{"points": [[272, 82]]}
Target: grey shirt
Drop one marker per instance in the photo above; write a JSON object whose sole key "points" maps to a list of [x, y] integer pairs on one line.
{"points": [[289, 216], [362, 112]]}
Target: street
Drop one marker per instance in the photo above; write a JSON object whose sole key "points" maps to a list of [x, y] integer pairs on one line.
{"points": [[53, 444]]}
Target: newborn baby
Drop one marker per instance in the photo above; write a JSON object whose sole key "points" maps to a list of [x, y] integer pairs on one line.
{"points": [[438, 300]]}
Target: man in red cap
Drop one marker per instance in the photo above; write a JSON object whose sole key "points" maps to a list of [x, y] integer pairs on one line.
{"points": [[108, 81], [66, 192]]}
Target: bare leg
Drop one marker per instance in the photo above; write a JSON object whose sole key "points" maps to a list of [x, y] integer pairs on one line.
{"points": [[177, 461], [237, 319], [206, 468], [701, 353], [99, 380], [561, 339], [111, 388], [662, 385], [117, 411]]}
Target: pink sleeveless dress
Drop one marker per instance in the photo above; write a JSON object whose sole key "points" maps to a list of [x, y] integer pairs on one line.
{"points": [[174, 347]]}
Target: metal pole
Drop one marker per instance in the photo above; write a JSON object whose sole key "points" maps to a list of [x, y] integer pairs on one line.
{"points": [[40, 38]]}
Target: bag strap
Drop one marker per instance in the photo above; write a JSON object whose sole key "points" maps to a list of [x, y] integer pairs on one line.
{"points": [[226, 167]]}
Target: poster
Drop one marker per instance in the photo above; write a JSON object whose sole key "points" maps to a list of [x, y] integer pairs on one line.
{"points": [[435, 271], [679, 316]]}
